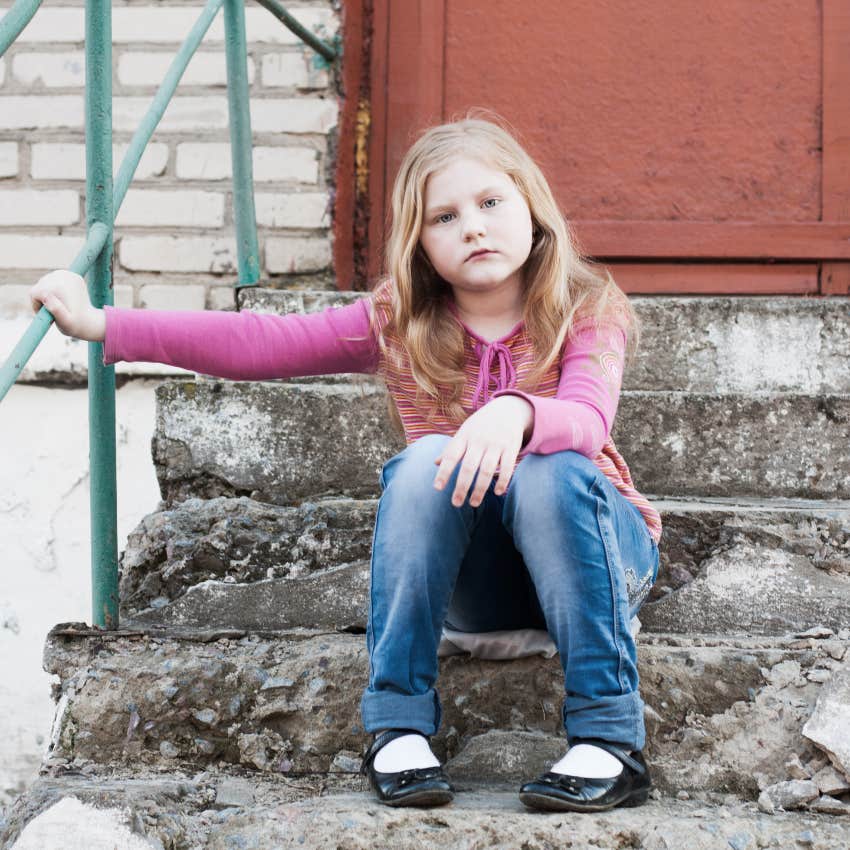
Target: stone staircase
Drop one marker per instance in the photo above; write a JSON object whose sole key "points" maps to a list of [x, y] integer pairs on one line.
{"points": [[224, 713]]}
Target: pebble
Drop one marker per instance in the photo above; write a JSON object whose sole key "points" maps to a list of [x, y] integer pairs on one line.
{"points": [[276, 682], [835, 650], [830, 806], [347, 763], [795, 769], [204, 746], [806, 838], [234, 791], [683, 795], [788, 795], [783, 674], [206, 716], [830, 781], [168, 750], [819, 676]]}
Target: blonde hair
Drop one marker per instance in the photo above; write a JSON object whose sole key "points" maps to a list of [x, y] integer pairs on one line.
{"points": [[560, 286]]}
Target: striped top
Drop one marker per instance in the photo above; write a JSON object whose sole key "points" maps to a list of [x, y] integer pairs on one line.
{"points": [[574, 403], [585, 387]]}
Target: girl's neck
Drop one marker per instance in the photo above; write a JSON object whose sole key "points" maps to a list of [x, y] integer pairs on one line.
{"points": [[490, 314]]}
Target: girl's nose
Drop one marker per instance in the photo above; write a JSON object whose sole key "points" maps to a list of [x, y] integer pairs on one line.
{"points": [[473, 226]]}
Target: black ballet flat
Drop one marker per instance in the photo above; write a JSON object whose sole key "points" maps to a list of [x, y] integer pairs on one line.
{"points": [[556, 792], [423, 786]]}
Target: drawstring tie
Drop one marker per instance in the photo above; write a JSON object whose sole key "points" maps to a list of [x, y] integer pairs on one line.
{"points": [[507, 374]]}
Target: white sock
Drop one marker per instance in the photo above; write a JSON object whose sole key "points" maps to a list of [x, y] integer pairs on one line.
{"points": [[589, 762], [405, 753]]}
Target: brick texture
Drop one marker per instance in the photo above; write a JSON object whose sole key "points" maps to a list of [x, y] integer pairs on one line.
{"points": [[174, 236], [8, 159]]}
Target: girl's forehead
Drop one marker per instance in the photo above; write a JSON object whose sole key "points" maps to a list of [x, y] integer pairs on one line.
{"points": [[463, 175]]}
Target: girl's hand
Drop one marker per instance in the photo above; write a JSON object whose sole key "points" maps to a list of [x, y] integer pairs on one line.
{"points": [[489, 439], [64, 293]]}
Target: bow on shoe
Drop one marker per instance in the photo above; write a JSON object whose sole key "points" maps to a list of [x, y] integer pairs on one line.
{"points": [[417, 774], [560, 780]]}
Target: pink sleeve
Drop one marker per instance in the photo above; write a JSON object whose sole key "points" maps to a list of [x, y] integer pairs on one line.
{"points": [[245, 346], [582, 413]]}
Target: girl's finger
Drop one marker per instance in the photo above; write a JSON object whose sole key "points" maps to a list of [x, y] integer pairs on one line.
{"points": [[486, 470], [507, 464], [471, 462], [452, 453]]}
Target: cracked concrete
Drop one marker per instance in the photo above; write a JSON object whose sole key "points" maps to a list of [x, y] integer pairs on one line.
{"points": [[722, 715]]}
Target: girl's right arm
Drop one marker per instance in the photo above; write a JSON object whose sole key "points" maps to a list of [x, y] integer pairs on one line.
{"points": [[239, 346]]}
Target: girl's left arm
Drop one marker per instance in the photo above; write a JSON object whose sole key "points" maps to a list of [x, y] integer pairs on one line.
{"points": [[581, 415]]}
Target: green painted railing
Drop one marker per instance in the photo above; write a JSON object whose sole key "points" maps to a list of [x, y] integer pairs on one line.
{"points": [[14, 21], [102, 204]]}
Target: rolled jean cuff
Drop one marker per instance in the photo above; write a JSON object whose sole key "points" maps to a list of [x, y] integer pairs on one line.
{"points": [[389, 710], [618, 719]]}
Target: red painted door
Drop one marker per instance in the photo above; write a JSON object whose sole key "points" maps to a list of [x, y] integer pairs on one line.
{"points": [[693, 147]]}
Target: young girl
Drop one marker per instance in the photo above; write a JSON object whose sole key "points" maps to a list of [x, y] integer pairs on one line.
{"points": [[510, 508]]}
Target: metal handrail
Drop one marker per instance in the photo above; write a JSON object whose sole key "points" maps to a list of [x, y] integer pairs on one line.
{"points": [[102, 204], [12, 24], [295, 26], [22, 352], [40, 325]]}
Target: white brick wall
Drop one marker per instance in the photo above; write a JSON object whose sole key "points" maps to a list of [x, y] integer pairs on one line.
{"points": [[29, 206], [53, 70], [179, 207], [148, 69], [61, 112], [293, 70], [163, 297], [306, 210], [37, 252], [8, 159], [178, 254], [293, 254], [175, 228], [67, 161], [204, 161]]}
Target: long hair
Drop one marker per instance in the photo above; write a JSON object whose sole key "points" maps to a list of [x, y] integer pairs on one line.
{"points": [[560, 287]]}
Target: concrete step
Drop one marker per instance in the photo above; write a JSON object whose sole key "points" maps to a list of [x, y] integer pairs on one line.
{"points": [[764, 567], [283, 443], [702, 345], [722, 714], [218, 811]]}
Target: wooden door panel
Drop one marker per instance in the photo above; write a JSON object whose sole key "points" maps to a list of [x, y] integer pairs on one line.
{"points": [[694, 147]]}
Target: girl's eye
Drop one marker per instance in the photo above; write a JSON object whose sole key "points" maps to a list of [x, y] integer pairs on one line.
{"points": [[445, 218], [490, 203]]}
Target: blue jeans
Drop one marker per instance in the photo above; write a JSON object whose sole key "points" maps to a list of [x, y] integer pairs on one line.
{"points": [[561, 550]]}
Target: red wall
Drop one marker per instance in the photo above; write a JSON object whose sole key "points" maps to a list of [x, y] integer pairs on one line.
{"points": [[695, 147], [650, 109]]}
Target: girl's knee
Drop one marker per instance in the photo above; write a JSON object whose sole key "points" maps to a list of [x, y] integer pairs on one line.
{"points": [[415, 465], [562, 471]]}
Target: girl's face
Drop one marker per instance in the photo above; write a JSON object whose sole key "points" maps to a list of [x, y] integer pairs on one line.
{"points": [[477, 228]]}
